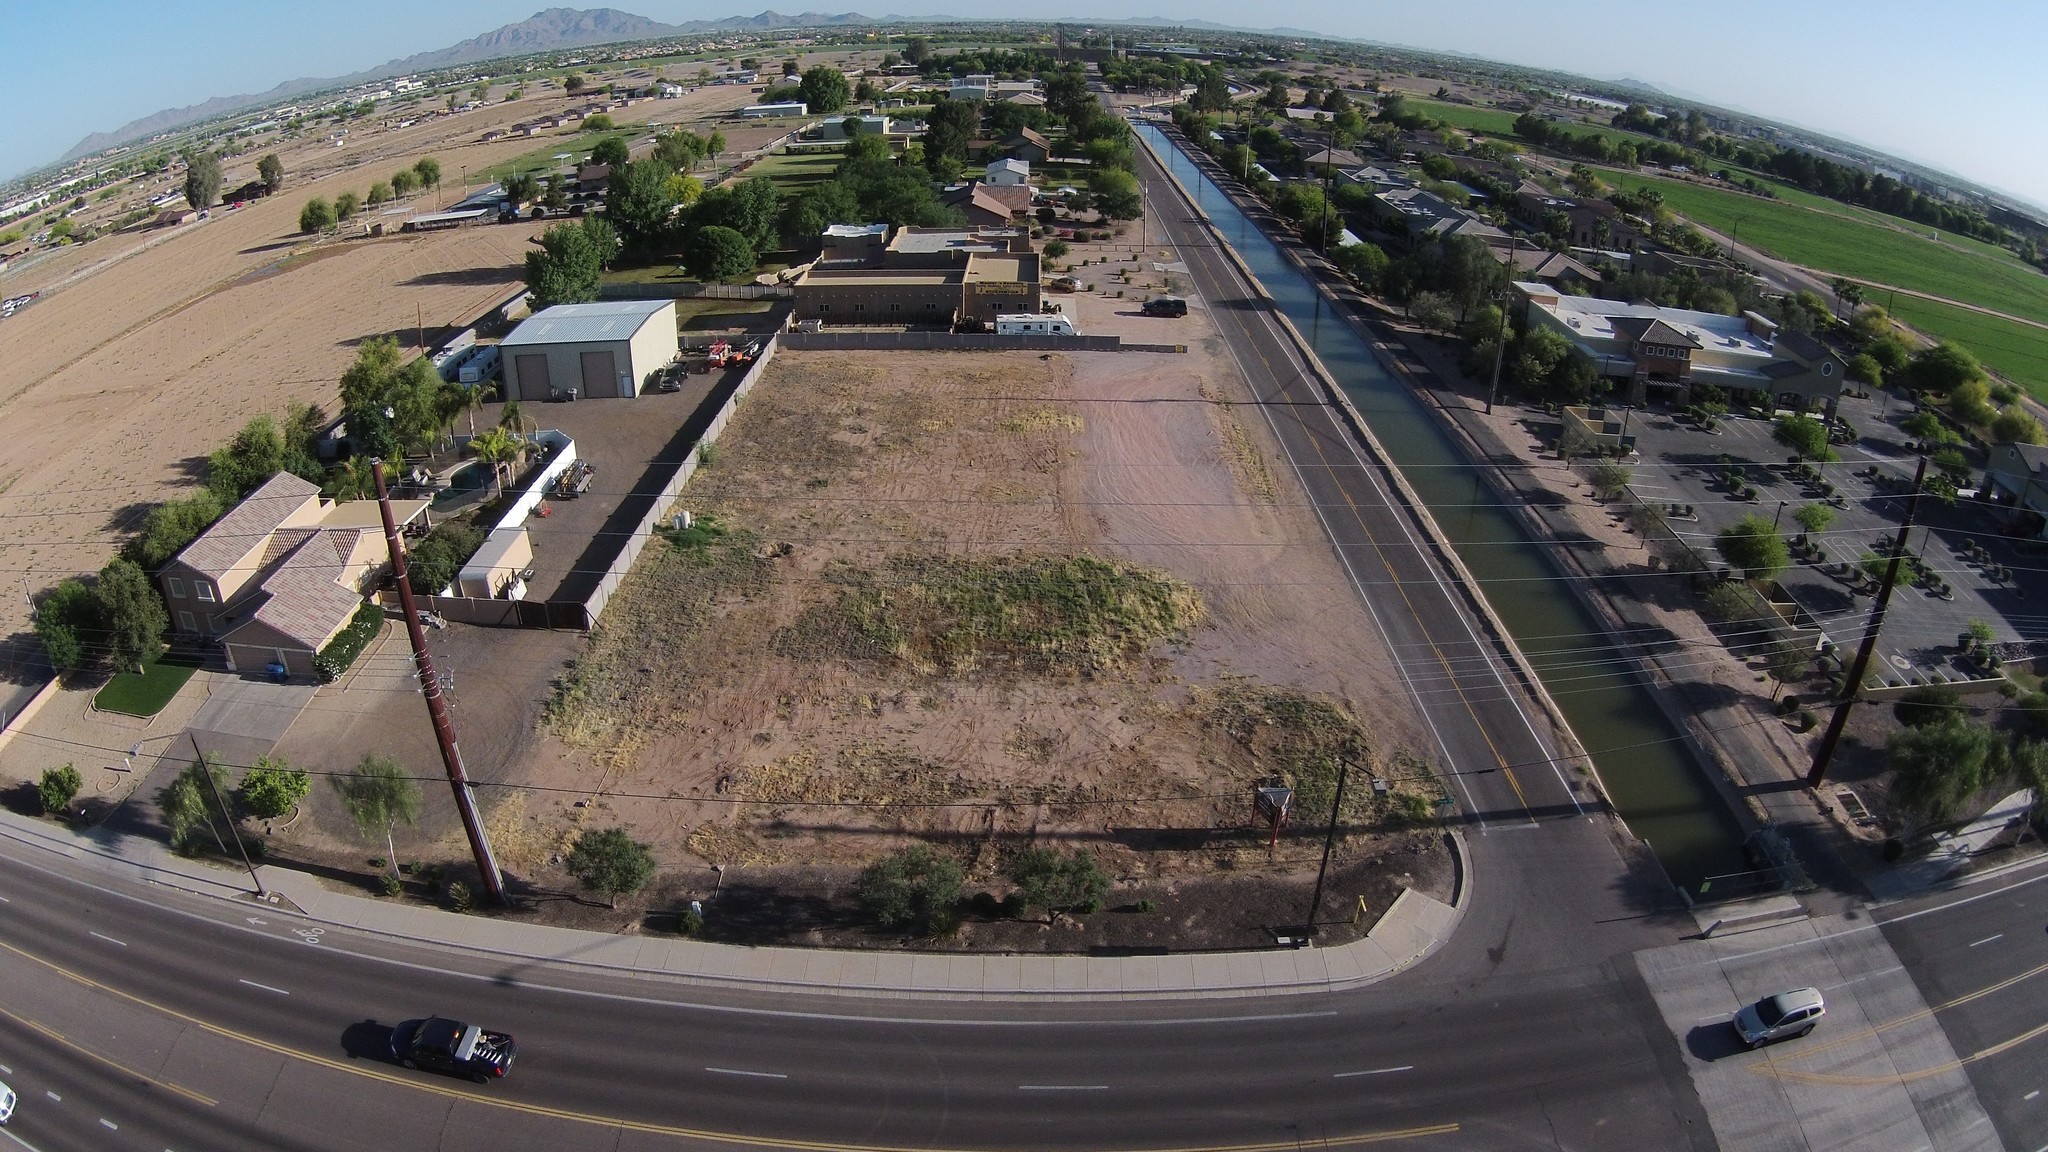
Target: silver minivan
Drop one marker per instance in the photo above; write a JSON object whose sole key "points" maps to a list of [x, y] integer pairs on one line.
{"points": [[1776, 1017]]}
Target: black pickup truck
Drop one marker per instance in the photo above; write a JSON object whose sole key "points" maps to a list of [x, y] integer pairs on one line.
{"points": [[451, 1046]]}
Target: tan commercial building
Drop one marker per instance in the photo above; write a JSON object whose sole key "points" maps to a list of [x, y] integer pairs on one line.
{"points": [[921, 277]]}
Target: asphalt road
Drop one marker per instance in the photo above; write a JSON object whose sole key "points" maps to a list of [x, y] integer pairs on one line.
{"points": [[165, 1021], [192, 1024], [1982, 964]]}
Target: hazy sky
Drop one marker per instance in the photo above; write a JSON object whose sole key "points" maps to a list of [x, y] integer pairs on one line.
{"points": [[1958, 85]]}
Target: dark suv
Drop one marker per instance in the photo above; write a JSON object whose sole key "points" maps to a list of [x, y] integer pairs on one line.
{"points": [[1166, 306], [454, 1047]]}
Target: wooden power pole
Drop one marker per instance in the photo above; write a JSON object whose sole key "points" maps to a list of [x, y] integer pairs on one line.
{"points": [[437, 708]]}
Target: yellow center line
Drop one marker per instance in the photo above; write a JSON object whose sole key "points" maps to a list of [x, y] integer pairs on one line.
{"points": [[1772, 1067], [89, 1054], [705, 1135]]}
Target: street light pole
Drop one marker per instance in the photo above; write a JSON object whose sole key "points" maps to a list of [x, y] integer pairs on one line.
{"points": [[1315, 902]]}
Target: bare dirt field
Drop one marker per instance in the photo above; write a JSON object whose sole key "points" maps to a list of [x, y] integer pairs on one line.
{"points": [[149, 349], [983, 601]]}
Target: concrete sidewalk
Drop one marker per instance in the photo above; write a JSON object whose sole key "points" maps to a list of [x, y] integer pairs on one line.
{"points": [[1413, 928]]}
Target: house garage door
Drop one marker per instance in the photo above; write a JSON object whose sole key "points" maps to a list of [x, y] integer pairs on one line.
{"points": [[533, 376], [600, 379]]}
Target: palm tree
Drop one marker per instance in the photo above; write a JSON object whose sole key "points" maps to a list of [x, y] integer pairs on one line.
{"points": [[497, 448], [478, 396]]}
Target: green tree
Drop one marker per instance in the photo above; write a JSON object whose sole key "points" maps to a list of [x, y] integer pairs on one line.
{"points": [[750, 208], [202, 178], [824, 89], [168, 527], [191, 807], [378, 797], [598, 123], [1864, 369], [316, 216], [271, 171], [272, 788], [611, 863], [948, 128], [380, 193], [1752, 545], [1804, 435], [1611, 478], [1932, 704], [917, 50], [495, 447], [612, 150], [57, 788], [638, 203], [916, 887], [68, 624], [1936, 767], [2015, 425], [719, 253], [429, 172], [1363, 262], [1815, 518], [520, 188], [345, 205], [131, 613], [572, 83], [570, 263], [1943, 368], [1116, 194], [1928, 427], [682, 151], [404, 182], [1059, 884], [243, 464]]}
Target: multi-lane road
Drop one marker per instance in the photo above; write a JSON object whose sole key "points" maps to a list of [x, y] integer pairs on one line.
{"points": [[139, 1018]]}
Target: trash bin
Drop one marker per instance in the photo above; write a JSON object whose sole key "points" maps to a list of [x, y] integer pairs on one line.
{"points": [[278, 673]]}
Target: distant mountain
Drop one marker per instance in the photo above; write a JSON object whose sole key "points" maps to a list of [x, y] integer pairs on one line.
{"points": [[547, 31]]}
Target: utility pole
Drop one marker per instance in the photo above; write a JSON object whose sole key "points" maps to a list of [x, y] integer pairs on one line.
{"points": [[1315, 902], [1500, 342], [206, 770], [1823, 755], [430, 687]]}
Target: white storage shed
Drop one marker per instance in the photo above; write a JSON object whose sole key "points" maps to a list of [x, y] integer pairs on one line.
{"points": [[601, 350]]}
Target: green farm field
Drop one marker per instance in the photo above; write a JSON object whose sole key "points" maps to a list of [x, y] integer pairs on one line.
{"points": [[2015, 351], [1494, 122], [1899, 254]]}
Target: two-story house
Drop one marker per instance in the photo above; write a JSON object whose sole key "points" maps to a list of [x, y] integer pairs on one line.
{"points": [[280, 575]]}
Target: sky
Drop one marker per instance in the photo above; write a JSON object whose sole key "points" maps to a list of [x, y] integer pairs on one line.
{"points": [[1956, 85]]}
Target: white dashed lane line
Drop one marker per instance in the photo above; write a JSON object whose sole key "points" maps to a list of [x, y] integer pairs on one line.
{"points": [[53, 1096], [265, 987], [744, 1072], [1373, 1072], [1988, 939], [1062, 1087], [109, 939], [109, 1124]]}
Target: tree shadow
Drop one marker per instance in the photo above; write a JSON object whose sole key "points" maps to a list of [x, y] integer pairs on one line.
{"points": [[462, 277], [23, 799], [191, 468], [128, 517], [273, 246]]}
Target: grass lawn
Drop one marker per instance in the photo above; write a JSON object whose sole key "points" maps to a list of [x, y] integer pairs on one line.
{"points": [[1824, 239], [1495, 122], [542, 159], [703, 314], [793, 174], [2013, 350], [146, 692]]}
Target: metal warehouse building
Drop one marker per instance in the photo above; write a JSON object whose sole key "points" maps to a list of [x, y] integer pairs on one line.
{"points": [[600, 350]]}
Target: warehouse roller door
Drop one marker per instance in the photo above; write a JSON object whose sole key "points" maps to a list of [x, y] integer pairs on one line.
{"points": [[600, 379], [533, 376]]}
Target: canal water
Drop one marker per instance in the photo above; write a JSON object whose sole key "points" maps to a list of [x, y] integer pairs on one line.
{"points": [[1654, 781]]}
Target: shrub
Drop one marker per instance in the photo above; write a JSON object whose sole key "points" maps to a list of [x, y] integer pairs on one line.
{"points": [[916, 887], [1056, 248], [689, 922], [272, 788], [1059, 884], [392, 885], [434, 562], [611, 863], [1934, 704], [341, 652], [57, 788], [459, 898]]}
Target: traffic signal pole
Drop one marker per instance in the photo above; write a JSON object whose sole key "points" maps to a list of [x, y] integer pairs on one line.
{"points": [[437, 708]]}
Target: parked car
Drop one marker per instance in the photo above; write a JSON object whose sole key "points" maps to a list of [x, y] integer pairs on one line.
{"points": [[1166, 306], [7, 1102], [1063, 284], [1786, 1014], [445, 1045]]}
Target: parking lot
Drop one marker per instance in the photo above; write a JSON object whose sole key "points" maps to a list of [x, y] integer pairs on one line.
{"points": [[1680, 464]]}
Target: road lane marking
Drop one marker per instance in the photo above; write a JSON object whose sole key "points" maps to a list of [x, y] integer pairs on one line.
{"points": [[109, 939], [508, 1104], [109, 1124], [744, 1072], [1373, 1072], [5, 1070], [265, 987], [1988, 939], [53, 1096], [89, 1054], [1773, 1067], [1062, 1087], [2031, 1095]]}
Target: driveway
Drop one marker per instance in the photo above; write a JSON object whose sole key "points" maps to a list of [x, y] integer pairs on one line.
{"points": [[243, 719]]}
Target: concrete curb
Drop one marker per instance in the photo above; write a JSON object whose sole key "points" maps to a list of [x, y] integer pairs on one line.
{"points": [[1411, 930]]}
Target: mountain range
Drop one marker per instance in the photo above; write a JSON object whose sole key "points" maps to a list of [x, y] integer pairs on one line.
{"points": [[547, 31]]}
